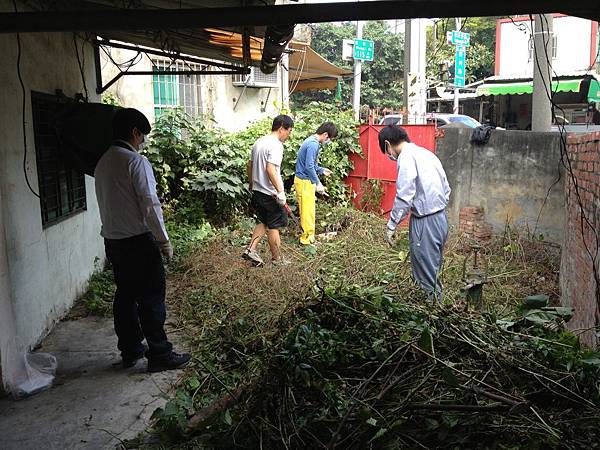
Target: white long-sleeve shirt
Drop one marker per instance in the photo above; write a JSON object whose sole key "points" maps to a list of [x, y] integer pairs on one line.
{"points": [[126, 192], [421, 185]]}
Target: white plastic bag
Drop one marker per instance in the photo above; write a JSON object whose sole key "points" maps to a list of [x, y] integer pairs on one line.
{"points": [[37, 374]]}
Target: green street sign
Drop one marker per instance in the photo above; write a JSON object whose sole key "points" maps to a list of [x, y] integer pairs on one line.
{"points": [[364, 49]]}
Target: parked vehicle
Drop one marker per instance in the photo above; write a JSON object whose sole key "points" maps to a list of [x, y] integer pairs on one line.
{"points": [[438, 118], [392, 119], [445, 119]]}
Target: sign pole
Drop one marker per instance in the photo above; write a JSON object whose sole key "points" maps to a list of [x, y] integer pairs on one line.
{"points": [[455, 109], [357, 75]]}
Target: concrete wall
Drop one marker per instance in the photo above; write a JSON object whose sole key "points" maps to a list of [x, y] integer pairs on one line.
{"points": [[219, 95], [509, 177], [574, 35], [578, 282], [47, 268]]}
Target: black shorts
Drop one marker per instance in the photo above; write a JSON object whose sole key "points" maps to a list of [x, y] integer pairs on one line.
{"points": [[269, 212]]}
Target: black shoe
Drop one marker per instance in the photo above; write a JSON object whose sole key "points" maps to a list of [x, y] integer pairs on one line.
{"points": [[130, 361], [173, 361]]}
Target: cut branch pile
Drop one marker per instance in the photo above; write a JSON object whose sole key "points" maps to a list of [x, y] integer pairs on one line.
{"points": [[339, 351]]}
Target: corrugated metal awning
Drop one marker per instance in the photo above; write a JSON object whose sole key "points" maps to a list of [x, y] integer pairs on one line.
{"points": [[587, 84]]}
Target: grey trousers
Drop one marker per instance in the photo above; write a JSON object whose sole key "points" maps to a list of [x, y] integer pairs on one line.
{"points": [[427, 236]]}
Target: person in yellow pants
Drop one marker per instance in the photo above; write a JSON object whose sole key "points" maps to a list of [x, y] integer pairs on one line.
{"points": [[307, 181]]}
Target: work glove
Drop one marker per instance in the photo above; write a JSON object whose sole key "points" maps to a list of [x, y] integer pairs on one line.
{"points": [[280, 197], [389, 236], [320, 188], [166, 250], [327, 172]]}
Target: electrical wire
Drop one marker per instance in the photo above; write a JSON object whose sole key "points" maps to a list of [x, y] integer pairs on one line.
{"points": [[566, 160], [81, 65], [23, 105], [299, 73]]}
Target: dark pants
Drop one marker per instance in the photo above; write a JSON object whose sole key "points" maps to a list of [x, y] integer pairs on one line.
{"points": [[139, 306]]}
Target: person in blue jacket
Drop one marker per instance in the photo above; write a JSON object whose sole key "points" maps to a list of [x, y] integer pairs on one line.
{"points": [[307, 181]]}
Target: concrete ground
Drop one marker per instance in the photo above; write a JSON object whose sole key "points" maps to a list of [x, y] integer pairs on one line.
{"points": [[92, 405]]}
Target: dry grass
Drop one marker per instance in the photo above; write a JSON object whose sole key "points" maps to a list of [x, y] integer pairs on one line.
{"points": [[215, 285]]}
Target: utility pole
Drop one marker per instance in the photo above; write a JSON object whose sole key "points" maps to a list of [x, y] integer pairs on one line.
{"points": [[415, 84], [357, 75], [455, 109], [541, 104]]}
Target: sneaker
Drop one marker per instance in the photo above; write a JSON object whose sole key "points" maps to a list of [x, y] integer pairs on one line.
{"points": [[253, 256], [281, 261], [130, 361], [170, 362]]}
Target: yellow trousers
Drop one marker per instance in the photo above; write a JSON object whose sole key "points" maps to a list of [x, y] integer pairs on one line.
{"points": [[306, 193]]}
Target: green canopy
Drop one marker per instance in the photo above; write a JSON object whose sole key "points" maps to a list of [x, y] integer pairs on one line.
{"points": [[594, 92], [526, 87]]}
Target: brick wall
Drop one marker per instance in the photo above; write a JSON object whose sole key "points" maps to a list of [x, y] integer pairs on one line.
{"points": [[577, 280], [472, 225]]}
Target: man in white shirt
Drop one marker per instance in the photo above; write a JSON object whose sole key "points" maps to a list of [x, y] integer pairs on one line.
{"points": [[136, 242], [421, 189], [268, 195]]}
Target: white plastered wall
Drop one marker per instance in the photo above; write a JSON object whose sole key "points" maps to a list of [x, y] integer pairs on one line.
{"points": [[44, 270], [219, 95]]}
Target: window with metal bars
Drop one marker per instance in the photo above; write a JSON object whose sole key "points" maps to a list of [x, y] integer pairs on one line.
{"points": [[61, 188], [171, 91]]}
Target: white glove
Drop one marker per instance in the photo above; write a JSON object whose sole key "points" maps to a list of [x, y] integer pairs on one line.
{"points": [[389, 236], [320, 188], [281, 198], [327, 172], [166, 250]]}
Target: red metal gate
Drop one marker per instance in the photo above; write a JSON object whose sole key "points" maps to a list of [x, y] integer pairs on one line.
{"points": [[374, 165]]}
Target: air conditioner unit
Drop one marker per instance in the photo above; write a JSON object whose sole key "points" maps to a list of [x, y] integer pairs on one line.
{"points": [[257, 79]]}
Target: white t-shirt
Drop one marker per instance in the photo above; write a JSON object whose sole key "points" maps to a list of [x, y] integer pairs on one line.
{"points": [[126, 192], [266, 149]]}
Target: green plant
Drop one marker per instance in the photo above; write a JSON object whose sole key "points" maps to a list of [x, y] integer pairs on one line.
{"points": [[200, 163], [100, 293], [372, 197], [203, 168], [108, 98], [335, 156]]}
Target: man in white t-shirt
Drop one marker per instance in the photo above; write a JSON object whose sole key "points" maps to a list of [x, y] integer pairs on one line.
{"points": [[268, 196]]}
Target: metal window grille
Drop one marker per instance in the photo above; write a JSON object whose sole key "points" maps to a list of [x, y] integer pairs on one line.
{"points": [[172, 91], [61, 188], [554, 47]]}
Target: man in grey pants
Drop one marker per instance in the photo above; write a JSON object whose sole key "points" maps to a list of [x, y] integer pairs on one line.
{"points": [[421, 188]]}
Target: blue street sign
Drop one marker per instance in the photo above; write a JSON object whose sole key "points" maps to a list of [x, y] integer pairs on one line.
{"points": [[364, 49], [460, 66]]}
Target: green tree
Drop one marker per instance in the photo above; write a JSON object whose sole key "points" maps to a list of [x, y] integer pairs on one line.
{"points": [[381, 79]]}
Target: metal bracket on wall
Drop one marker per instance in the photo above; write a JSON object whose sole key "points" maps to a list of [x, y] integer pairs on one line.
{"points": [[225, 69]]}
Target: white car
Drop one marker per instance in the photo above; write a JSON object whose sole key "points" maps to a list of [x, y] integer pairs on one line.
{"points": [[440, 119], [445, 119]]}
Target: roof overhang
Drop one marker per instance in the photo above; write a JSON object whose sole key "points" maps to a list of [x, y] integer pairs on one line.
{"points": [[309, 70], [176, 14]]}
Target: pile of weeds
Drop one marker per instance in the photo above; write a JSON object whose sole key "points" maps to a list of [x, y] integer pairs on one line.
{"points": [[359, 368], [340, 350]]}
